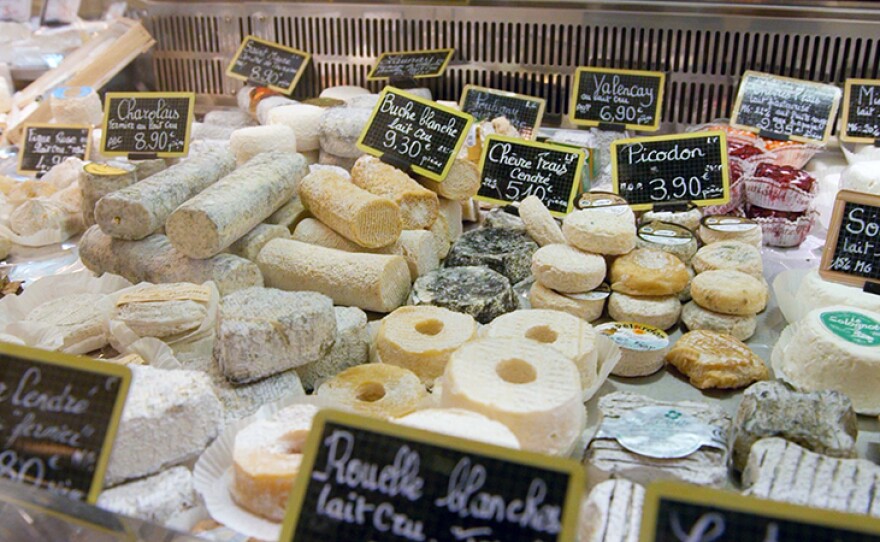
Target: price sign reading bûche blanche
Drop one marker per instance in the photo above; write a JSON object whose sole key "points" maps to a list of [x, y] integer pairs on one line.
{"points": [[513, 169], [270, 64], [524, 113], [431, 487], [414, 134], [852, 250], [672, 169], [47, 145], [861, 111], [155, 124], [58, 419], [628, 98], [411, 64]]}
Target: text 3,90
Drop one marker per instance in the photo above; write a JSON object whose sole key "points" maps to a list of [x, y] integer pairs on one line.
{"points": [[682, 189]]}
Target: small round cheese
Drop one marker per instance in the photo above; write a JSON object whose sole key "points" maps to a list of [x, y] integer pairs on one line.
{"points": [[253, 140], [815, 292], [671, 238], [730, 228], [461, 423], [646, 271], [642, 348], [716, 360], [305, 122], [587, 306], [689, 219], [734, 255], [729, 292], [376, 389], [657, 311], [600, 232], [540, 224], [696, 317], [340, 129], [566, 269], [685, 295]]}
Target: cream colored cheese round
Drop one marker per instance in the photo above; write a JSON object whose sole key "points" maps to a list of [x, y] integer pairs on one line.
{"points": [[729, 292], [647, 271], [588, 306], [734, 255], [457, 422], [661, 312], [376, 389], [642, 348], [600, 232], [696, 317], [568, 270]]}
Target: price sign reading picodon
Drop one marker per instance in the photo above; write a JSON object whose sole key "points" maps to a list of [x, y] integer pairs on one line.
{"points": [[270, 64], [675, 168], [411, 64], [523, 112], [629, 98], [861, 111], [147, 123], [852, 250], [47, 145], [368, 479], [415, 134], [58, 419], [512, 169]]}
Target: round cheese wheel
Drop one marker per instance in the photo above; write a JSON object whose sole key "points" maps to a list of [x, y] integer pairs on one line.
{"points": [[716, 360], [532, 389], [685, 295], [587, 306], [729, 292], [734, 255], [730, 228], [376, 389], [305, 122], [815, 292], [646, 271], [661, 312], [457, 422], [642, 348], [566, 269], [689, 219], [696, 317], [672, 238], [600, 231]]}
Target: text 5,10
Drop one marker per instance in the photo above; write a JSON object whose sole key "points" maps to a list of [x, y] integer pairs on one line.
{"points": [[157, 141], [515, 191], [404, 145], [266, 76]]}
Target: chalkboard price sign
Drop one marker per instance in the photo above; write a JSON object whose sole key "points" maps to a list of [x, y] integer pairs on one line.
{"points": [[852, 250], [411, 64], [47, 145], [523, 112], [512, 169], [415, 134], [58, 419], [627, 98], [430, 487], [861, 111], [676, 512], [675, 168], [785, 108], [268, 64], [147, 123]]}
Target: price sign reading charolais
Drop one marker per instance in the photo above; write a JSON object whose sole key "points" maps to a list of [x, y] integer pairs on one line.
{"points": [[523, 112], [414, 134], [672, 169], [47, 145], [627, 98], [411, 64], [861, 111], [431, 487], [58, 419], [852, 250], [147, 124], [270, 64]]}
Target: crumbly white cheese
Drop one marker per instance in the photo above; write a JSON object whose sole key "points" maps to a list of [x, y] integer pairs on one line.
{"points": [[155, 499]]}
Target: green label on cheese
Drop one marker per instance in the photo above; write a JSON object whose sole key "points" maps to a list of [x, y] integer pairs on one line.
{"points": [[852, 327]]}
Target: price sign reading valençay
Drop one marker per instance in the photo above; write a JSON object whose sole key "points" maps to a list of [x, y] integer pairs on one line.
{"points": [[861, 111], [629, 98], [523, 112], [147, 123], [411, 64], [852, 250], [270, 64], [367, 479], [47, 145]]}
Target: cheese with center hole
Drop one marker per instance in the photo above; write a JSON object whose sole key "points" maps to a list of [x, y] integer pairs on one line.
{"points": [[568, 270], [460, 423], [376, 389]]}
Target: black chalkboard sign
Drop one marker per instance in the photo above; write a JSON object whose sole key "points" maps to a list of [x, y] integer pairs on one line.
{"points": [[676, 512], [512, 169], [147, 124], [627, 98], [411, 64], [861, 111], [426, 486], [523, 112], [785, 108], [852, 250], [675, 168], [268, 64], [47, 145], [415, 134], [58, 419]]}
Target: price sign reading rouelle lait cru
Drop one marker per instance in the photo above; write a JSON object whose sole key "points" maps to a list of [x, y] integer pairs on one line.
{"points": [[270, 64], [677, 512], [513, 169], [58, 419], [523, 112], [415, 134], [47, 145], [628, 98], [368, 479], [852, 250], [861, 111], [675, 168], [785, 108], [411, 64], [147, 123]]}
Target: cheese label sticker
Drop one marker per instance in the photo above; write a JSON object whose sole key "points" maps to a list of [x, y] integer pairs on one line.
{"points": [[267, 63], [665, 234], [662, 432], [633, 336], [853, 327], [861, 111], [728, 223]]}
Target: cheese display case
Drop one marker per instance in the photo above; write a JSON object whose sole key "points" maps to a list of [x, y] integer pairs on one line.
{"points": [[622, 242]]}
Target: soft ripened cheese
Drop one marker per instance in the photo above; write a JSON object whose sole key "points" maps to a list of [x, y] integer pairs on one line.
{"points": [[249, 246], [716, 360], [837, 348], [253, 140], [304, 120], [531, 388], [461, 423], [156, 499], [600, 232], [418, 205], [76, 318], [290, 214], [642, 347], [566, 269], [572, 336], [539, 222], [661, 312], [815, 292], [351, 347], [696, 317], [862, 177], [612, 512], [588, 306], [647, 271], [376, 389], [343, 92], [734, 255], [423, 338], [688, 219], [164, 310], [729, 292], [340, 129], [452, 212]]}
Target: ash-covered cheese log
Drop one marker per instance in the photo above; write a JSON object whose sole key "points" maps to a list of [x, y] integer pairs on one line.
{"points": [[208, 223], [354, 213], [154, 260], [462, 182], [100, 180], [418, 205], [142, 208], [506, 251], [373, 282]]}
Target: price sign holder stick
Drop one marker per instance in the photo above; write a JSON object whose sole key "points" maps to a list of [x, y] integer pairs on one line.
{"points": [[142, 156], [676, 206], [397, 162]]}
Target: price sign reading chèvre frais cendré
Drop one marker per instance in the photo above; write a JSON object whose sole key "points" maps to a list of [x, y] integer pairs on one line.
{"points": [[852, 250], [861, 111], [58, 419], [47, 145], [415, 134], [147, 123], [672, 169], [269, 64], [512, 169], [524, 113], [411, 64], [425, 487], [628, 98]]}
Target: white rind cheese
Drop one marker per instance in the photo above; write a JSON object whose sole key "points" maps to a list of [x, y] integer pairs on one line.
{"points": [[418, 205], [304, 120], [539, 223], [815, 292], [587, 307], [730, 292], [733, 255], [376, 389], [156, 499], [612, 512], [77, 318], [247, 143], [696, 317], [249, 246], [600, 232], [460, 423], [567, 270], [462, 182], [661, 312], [340, 128]]}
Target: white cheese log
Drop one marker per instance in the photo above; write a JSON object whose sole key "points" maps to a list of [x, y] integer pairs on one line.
{"points": [[156, 499], [374, 282], [354, 213], [340, 129], [452, 211], [351, 347], [142, 208], [98, 181], [221, 214], [246, 143], [418, 205], [289, 214], [304, 120], [253, 241], [539, 222], [443, 239], [462, 182], [153, 259], [470, 211]]}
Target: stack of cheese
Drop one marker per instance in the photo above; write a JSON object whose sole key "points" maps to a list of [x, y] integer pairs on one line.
{"points": [[647, 283]]}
